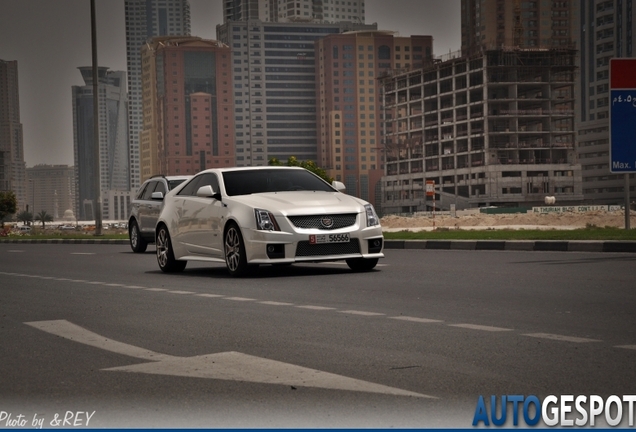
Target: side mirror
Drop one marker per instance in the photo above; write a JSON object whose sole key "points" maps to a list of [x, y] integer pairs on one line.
{"points": [[157, 196], [208, 192], [340, 187]]}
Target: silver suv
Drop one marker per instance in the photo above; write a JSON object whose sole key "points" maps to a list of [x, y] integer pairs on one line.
{"points": [[146, 207]]}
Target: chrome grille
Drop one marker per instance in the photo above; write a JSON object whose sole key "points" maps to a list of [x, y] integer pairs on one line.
{"points": [[304, 249], [313, 221]]}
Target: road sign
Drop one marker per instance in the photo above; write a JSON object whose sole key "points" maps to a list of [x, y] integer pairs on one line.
{"points": [[430, 188], [622, 115]]}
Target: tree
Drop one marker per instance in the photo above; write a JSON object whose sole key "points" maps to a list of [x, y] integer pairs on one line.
{"points": [[43, 217], [25, 217], [8, 205], [308, 165]]}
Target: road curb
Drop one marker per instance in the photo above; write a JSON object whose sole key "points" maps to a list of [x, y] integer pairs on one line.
{"points": [[516, 245]]}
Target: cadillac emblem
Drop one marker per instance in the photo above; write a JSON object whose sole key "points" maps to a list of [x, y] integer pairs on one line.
{"points": [[326, 222]]}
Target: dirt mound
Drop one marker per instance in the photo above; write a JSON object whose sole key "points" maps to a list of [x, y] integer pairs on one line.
{"points": [[595, 218]]}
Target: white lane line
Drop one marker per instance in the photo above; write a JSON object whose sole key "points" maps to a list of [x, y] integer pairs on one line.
{"points": [[415, 319], [113, 284], [232, 366], [480, 327], [156, 289], [95, 283], [15, 251], [274, 303], [134, 286], [631, 347], [180, 292], [362, 313], [560, 337], [239, 299], [210, 295], [83, 253], [318, 308]]}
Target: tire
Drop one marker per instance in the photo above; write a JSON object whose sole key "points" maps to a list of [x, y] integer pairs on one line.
{"points": [[137, 242], [234, 251], [362, 264], [165, 255]]}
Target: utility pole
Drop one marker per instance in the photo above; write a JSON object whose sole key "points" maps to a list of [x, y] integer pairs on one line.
{"points": [[97, 202]]}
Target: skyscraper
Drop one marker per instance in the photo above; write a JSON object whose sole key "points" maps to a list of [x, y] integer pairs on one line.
{"points": [[146, 19], [52, 189], [316, 11], [12, 166], [498, 23], [350, 103], [113, 151], [188, 110], [274, 77], [606, 31]]}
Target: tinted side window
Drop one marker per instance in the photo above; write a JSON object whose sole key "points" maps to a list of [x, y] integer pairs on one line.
{"points": [[141, 191], [201, 180], [189, 189], [149, 190], [161, 187], [209, 179]]}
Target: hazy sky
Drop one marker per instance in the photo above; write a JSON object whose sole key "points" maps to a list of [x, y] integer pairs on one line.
{"points": [[50, 39]]}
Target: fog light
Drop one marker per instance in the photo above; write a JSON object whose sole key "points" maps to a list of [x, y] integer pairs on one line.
{"points": [[375, 245], [275, 251]]}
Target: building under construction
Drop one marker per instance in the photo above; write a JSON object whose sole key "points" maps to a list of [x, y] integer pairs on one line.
{"points": [[491, 129]]}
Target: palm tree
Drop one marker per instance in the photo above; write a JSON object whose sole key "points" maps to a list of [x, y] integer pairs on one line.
{"points": [[43, 217], [25, 217]]}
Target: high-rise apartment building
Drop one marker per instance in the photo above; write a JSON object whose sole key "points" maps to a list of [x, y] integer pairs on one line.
{"points": [[274, 78], [495, 129], [12, 166], [51, 188], [504, 23], [146, 19], [317, 11], [188, 122], [350, 103], [113, 139], [607, 30]]}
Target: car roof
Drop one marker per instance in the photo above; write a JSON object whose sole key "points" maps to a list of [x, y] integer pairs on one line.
{"points": [[169, 177], [251, 168]]}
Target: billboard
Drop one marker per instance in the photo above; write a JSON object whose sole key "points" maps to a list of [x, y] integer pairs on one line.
{"points": [[622, 115]]}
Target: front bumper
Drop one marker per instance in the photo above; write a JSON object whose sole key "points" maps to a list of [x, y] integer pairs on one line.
{"points": [[280, 247]]}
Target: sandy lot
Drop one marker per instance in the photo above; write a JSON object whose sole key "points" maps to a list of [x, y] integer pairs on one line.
{"points": [[515, 221]]}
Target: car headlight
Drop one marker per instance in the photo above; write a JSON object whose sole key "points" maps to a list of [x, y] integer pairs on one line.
{"points": [[265, 220], [372, 216]]}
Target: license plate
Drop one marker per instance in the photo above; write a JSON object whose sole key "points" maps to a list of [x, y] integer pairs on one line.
{"points": [[329, 238]]}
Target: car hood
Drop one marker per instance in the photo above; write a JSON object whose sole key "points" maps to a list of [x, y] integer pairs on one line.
{"points": [[302, 202]]}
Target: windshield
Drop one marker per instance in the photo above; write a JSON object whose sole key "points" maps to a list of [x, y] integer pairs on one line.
{"points": [[246, 182]]}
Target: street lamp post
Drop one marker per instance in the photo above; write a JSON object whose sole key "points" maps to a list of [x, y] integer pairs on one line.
{"points": [[97, 202]]}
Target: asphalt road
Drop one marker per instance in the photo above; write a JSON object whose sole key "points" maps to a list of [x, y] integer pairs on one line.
{"points": [[98, 334]]}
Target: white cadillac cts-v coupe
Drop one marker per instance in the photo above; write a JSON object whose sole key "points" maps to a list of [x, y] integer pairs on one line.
{"points": [[265, 215]]}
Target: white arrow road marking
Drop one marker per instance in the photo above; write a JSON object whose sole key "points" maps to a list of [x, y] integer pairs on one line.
{"points": [[232, 366], [76, 333]]}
